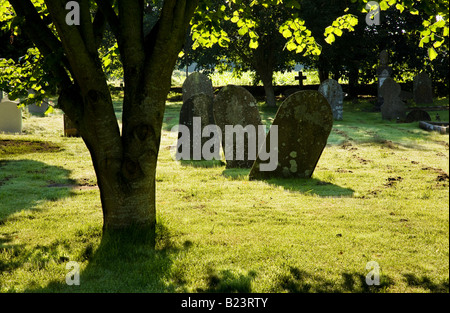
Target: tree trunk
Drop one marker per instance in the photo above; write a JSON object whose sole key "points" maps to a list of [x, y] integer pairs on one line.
{"points": [[323, 69], [263, 64], [268, 89], [125, 164]]}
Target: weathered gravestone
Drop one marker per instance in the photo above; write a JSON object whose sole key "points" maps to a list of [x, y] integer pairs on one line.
{"points": [[332, 91], [393, 107], [422, 89], [197, 103], [236, 114], [304, 123], [197, 83], [195, 115], [384, 71], [10, 115], [70, 129], [35, 108]]}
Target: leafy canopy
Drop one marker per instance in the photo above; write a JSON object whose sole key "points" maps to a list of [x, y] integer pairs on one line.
{"points": [[30, 72]]}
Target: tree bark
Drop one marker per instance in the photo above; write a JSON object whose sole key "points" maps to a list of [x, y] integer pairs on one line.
{"points": [[263, 64], [267, 80]]}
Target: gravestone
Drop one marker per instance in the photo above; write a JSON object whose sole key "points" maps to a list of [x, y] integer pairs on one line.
{"points": [[197, 102], [10, 116], [197, 83], [332, 91], [417, 115], [384, 71], [422, 89], [235, 106], [38, 109], [197, 106], [70, 129], [304, 123], [393, 107]]}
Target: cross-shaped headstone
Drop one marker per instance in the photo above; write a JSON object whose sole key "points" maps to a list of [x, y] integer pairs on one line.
{"points": [[300, 78]]}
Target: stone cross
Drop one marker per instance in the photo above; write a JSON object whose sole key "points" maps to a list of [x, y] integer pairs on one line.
{"points": [[300, 77]]}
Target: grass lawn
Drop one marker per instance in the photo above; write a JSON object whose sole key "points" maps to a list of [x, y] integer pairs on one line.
{"points": [[379, 193]]}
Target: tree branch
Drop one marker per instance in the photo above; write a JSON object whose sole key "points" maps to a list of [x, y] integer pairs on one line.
{"points": [[107, 10], [86, 27], [38, 32]]}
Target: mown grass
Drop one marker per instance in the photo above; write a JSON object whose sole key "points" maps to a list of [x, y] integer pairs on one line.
{"points": [[379, 193]]}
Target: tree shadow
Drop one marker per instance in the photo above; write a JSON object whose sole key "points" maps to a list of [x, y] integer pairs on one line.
{"points": [[226, 281], [202, 163], [311, 186], [426, 283], [300, 281], [129, 261], [236, 173], [24, 183]]}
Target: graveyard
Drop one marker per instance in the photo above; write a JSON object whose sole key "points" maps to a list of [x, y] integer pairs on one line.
{"points": [[379, 193], [217, 147]]}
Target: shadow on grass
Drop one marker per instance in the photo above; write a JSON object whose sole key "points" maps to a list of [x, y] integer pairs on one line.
{"points": [[202, 163], [132, 261], [426, 283], [23, 183], [227, 282], [311, 186], [299, 281]]}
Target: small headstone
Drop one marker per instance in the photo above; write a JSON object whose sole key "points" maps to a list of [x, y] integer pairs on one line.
{"points": [[10, 116], [69, 128], [393, 107], [332, 91], [422, 89], [384, 71], [197, 106], [304, 122], [417, 115], [197, 102], [197, 83], [236, 108], [38, 109]]}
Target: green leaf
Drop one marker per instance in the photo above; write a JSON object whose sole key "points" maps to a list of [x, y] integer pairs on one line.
{"points": [[384, 5], [432, 54], [253, 44], [242, 31], [330, 39], [291, 45], [437, 44], [287, 33]]}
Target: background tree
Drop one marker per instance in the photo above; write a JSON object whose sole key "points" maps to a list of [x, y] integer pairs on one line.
{"points": [[238, 54]]}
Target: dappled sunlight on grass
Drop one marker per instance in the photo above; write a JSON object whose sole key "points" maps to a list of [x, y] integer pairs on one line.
{"points": [[379, 193]]}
